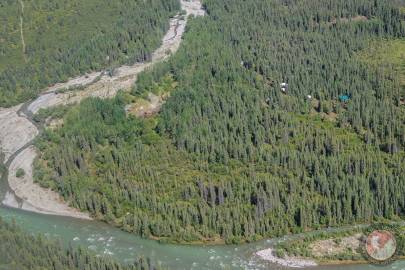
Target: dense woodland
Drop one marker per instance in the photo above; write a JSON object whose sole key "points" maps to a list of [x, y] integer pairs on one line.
{"points": [[233, 157], [22, 251], [68, 38]]}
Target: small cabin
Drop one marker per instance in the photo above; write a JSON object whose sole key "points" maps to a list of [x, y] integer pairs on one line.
{"points": [[344, 98], [284, 87]]}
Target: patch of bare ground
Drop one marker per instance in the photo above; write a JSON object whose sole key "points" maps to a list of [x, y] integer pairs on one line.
{"points": [[334, 247], [329, 116], [146, 107], [321, 251], [106, 87], [54, 123], [288, 261]]}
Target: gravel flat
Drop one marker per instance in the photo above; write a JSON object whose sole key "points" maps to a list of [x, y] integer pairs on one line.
{"points": [[17, 130]]}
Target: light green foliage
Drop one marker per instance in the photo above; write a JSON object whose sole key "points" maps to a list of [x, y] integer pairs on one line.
{"points": [[145, 84], [20, 173], [280, 253], [388, 55], [51, 113]]}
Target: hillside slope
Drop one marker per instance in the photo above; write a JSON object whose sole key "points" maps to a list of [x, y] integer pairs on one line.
{"points": [[233, 156], [45, 42]]}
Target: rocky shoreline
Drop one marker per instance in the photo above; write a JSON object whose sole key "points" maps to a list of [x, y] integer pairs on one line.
{"points": [[294, 262], [35, 198]]}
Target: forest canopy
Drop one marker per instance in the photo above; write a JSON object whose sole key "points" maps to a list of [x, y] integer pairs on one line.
{"points": [[236, 154], [44, 42], [22, 251]]}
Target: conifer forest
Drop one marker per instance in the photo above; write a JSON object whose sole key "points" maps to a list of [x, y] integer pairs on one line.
{"points": [[278, 120]]}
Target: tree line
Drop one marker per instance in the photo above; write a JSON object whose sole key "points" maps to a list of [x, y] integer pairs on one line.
{"points": [[23, 251], [233, 157]]}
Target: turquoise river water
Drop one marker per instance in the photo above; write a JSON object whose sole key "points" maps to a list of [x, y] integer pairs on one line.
{"points": [[125, 247]]}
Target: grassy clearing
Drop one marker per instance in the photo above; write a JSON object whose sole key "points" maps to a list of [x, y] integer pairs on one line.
{"points": [[387, 53]]}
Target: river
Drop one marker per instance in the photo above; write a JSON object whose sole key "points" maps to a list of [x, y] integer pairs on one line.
{"points": [[125, 247]]}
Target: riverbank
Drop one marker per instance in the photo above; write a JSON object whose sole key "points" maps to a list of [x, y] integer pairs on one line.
{"points": [[217, 241], [15, 131], [102, 238], [18, 129], [298, 262], [103, 85], [338, 247], [34, 198], [294, 262]]}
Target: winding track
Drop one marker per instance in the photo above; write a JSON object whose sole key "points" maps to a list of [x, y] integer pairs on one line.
{"points": [[22, 29], [97, 84]]}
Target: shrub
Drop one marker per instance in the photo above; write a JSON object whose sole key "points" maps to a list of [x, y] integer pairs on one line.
{"points": [[20, 173]]}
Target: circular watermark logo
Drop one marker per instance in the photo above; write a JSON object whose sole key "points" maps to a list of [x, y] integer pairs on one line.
{"points": [[381, 246]]}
